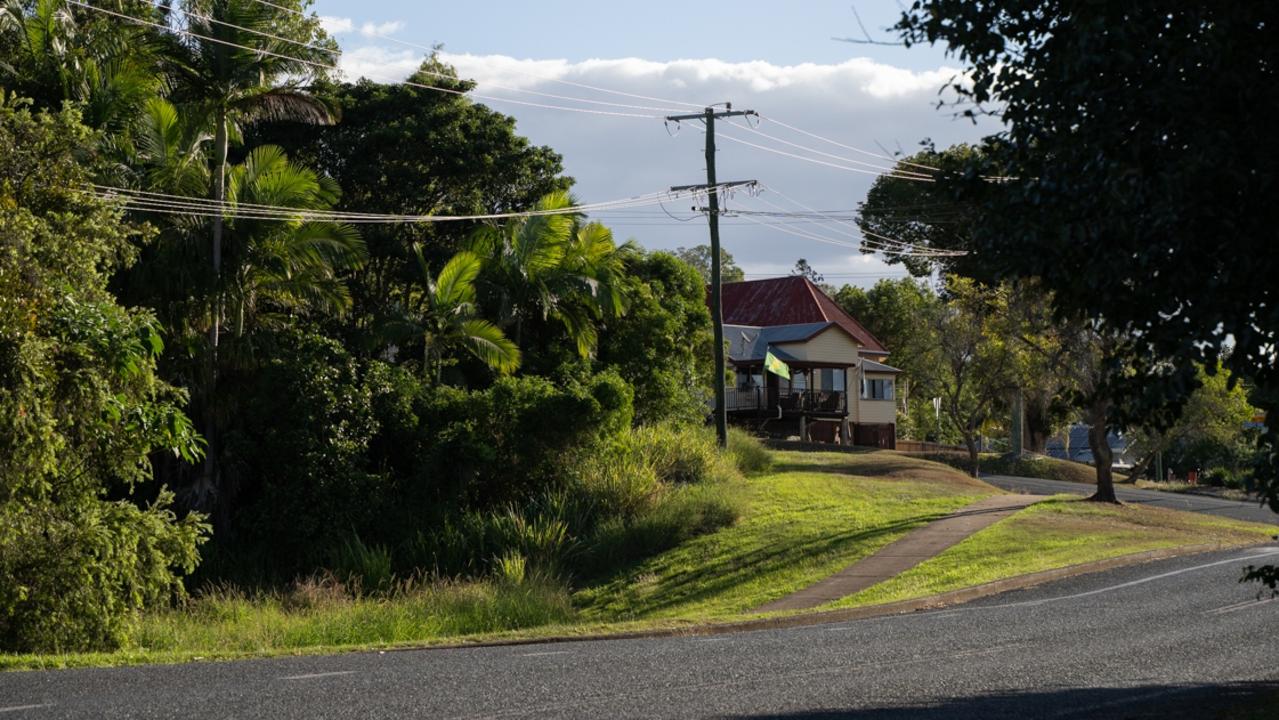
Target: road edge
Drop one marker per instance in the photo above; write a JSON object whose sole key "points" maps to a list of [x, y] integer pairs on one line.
{"points": [[822, 617]]}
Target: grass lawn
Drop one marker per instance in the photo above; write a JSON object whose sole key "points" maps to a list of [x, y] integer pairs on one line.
{"points": [[812, 515], [1061, 531], [816, 514]]}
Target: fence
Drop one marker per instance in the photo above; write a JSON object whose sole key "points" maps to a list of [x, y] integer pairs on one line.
{"points": [[922, 446]]}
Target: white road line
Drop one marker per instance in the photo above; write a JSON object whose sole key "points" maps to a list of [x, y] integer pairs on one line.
{"points": [[313, 676], [1236, 607], [1121, 586], [544, 654], [20, 708]]}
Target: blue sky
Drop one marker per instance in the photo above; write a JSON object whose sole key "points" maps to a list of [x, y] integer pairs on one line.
{"points": [[777, 58]]}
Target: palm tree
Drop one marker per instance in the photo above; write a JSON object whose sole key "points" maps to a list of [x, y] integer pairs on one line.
{"points": [[281, 269], [443, 315], [553, 267], [111, 68], [240, 68]]}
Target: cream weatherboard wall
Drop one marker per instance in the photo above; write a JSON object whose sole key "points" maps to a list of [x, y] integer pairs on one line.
{"points": [[873, 412], [831, 345]]}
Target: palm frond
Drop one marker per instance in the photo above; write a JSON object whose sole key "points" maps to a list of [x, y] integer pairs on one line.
{"points": [[456, 282], [491, 345]]}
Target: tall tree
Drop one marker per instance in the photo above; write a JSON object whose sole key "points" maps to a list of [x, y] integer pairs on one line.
{"points": [[466, 159], [699, 257], [552, 267], [1139, 185], [443, 316], [86, 539], [920, 213], [245, 61], [970, 363]]}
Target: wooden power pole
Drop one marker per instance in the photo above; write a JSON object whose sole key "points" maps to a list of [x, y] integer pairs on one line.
{"points": [[712, 188]]}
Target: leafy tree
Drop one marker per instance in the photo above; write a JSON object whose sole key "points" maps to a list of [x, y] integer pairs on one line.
{"points": [[443, 317], [1210, 433], [281, 269], [229, 86], [1140, 190], [803, 269], [900, 314], [54, 53], [969, 364], [662, 346], [699, 257], [920, 213], [466, 159], [81, 408], [552, 267]]}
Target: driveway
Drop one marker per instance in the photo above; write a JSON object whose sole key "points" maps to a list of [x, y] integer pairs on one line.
{"points": [[1249, 511]]}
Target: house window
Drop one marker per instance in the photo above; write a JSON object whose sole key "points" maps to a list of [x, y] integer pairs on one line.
{"points": [[798, 381], [877, 389], [832, 379]]}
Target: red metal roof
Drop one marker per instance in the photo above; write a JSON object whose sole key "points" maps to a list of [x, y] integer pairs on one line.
{"points": [[790, 300]]}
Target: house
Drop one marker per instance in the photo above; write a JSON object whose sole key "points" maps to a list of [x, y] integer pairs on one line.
{"points": [[828, 353], [1072, 444]]}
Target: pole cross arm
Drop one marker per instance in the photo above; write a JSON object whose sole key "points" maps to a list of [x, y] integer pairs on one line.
{"points": [[708, 111], [725, 185]]}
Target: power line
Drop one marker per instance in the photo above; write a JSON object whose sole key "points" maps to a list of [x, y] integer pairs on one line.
{"points": [[430, 50], [184, 205], [882, 169], [335, 68], [775, 151]]}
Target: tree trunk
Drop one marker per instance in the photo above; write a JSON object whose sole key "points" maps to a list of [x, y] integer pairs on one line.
{"points": [[1102, 457], [1038, 427], [970, 440], [209, 478]]}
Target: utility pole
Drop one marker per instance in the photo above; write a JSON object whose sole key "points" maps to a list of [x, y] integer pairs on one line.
{"points": [[712, 188]]}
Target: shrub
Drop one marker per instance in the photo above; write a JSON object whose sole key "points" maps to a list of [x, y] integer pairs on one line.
{"points": [[684, 513], [75, 577], [679, 453], [749, 454], [366, 568]]}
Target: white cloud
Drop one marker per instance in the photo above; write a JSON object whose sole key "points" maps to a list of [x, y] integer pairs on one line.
{"points": [[341, 25], [336, 25], [859, 102], [380, 64]]}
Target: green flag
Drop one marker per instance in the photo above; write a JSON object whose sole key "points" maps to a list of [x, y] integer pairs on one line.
{"points": [[774, 364]]}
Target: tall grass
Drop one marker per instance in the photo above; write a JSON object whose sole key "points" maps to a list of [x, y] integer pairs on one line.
{"points": [[327, 613]]}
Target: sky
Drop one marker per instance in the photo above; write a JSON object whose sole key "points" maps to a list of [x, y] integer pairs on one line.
{"points": [[779, 59]]}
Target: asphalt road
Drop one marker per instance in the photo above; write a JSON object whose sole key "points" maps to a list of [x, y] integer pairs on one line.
{"points": [[1250, 511], [1164, 640]]}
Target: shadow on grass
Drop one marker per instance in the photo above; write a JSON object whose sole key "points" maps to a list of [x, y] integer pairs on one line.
{"points": [[1236, 701], [716, 578], [884, 467]]}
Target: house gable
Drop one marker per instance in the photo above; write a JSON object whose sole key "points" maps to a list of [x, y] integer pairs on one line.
{"points": [[792, 300]]}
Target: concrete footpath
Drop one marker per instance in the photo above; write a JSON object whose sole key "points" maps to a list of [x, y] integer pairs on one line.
{"points": [[904, 554]]}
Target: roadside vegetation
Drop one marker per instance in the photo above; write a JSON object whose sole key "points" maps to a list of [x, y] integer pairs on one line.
{"points": [[719, 543], [1033, 466], [1056, 533]]}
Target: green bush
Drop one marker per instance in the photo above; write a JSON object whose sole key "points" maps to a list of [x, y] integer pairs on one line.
{"points": [[749, 454], [75, 577], [684, 513], [82, 408], [679, 453]]}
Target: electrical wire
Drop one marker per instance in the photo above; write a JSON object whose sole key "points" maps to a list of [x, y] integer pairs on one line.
{"points": [[568, 83], [178, 204], [775, 151], [882, 169], [863, 233], [335, 68]]}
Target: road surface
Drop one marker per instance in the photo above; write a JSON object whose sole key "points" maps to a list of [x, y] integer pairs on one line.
{"points": [[1250, 511], [1159, 640]]}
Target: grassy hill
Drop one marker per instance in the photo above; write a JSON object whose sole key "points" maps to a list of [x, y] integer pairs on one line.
{"points": [[810, 515]]}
